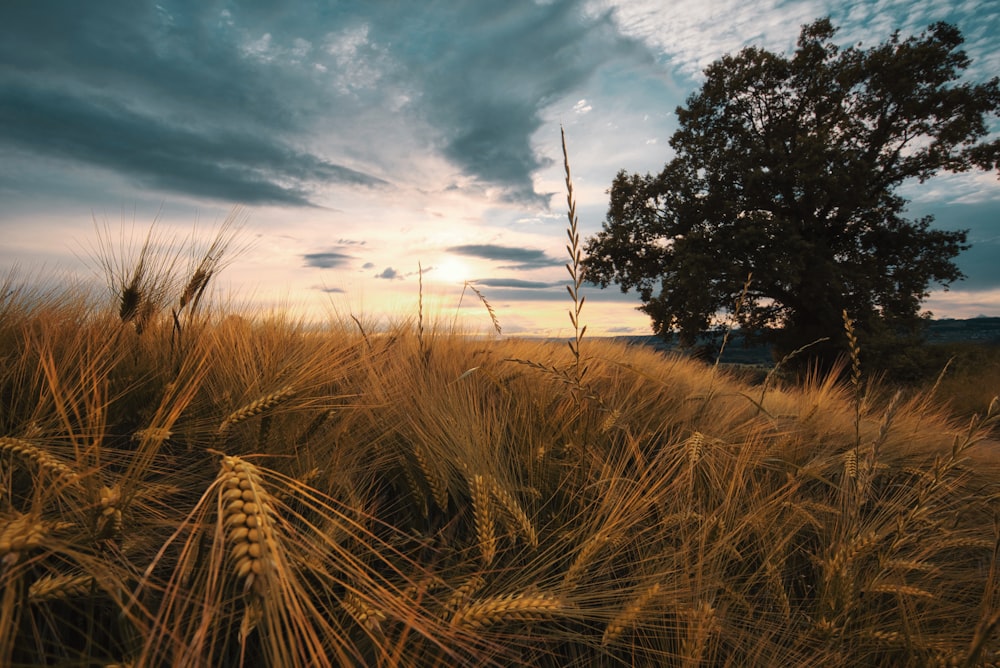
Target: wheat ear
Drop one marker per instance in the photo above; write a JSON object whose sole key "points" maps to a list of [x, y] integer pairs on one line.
{"points": [[512, 607], [574, 267], [257, 407], [628, 616], [694, 446], [485, 519], [590, 548], [701, 625], [19, 535], [515, 511], [29, 451], [438, 485], [460, 597], [248, 518], [363, 612], [60, 587], [109, 518]]}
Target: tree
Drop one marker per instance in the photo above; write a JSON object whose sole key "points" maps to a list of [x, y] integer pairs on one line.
{"points": [[788, 168]]}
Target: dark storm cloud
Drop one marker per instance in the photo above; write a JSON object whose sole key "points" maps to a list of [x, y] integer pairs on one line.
{"points": [[222, 164], [520, 258], [226, 100], [164, 94], [487, 73], [327, 260]]}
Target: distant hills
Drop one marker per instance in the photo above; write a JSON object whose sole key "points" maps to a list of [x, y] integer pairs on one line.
{"points": [[984, 330], [979, 330]]}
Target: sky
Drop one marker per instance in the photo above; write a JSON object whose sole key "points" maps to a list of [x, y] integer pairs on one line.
{"points": [[365, 141]]}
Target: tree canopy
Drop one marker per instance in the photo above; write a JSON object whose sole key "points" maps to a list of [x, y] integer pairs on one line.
{"points": [[788, 168]]}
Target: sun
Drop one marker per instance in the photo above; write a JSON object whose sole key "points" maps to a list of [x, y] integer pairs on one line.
{"points": [[451, 270]]}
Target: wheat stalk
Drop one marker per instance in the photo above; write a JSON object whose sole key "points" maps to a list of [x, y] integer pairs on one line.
{"points": [[512, 607], [425, 350], [738, 308]]}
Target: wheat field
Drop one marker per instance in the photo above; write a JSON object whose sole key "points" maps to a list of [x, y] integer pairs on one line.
{"points": [[213, 489], [188, 484]]}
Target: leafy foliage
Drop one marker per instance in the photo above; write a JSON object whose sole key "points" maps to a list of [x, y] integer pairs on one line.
{"points": [[788, 167]]}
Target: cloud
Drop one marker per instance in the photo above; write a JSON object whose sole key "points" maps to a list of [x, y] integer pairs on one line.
{"points": [[523, 258], [556, 294], [513, 283], [486, 76], [173, 97], [219, 164], [327, 260], [690, 35], [267, 105], [389, 273]]}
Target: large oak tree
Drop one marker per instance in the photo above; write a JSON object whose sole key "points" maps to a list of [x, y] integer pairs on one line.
{"points": [[789, 167]]}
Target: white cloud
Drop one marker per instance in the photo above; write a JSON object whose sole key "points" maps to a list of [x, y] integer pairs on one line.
{"points": [[259, 49], [691, 35], [581, 107]]}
